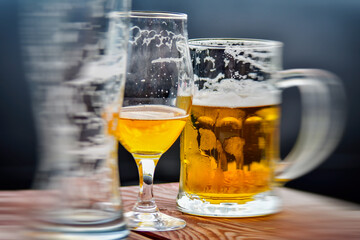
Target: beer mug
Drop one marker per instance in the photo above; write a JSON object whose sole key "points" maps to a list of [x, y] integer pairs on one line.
{"points": [[230, 160]]}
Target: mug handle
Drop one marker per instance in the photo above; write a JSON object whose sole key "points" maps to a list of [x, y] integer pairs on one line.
{"points": [[322, 122]]}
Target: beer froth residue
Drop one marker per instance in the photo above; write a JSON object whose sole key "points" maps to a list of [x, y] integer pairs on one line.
{"points": [[236, 93]]}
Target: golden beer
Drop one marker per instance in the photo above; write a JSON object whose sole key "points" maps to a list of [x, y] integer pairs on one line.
{"points": [[149, 129], [228, 153]]}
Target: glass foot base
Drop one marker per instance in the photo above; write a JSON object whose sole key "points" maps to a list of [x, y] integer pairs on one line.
{"points": [[153, 222], [263, 204], [77, 236], [79, 225]]}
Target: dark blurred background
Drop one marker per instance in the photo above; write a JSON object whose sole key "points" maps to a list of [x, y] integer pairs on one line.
{"points": [[317, 34]]}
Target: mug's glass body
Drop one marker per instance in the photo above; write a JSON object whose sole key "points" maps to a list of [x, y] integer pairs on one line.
{"points": [[230, 144]]}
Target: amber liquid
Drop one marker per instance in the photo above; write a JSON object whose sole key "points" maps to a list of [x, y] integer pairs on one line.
{"points": [[149, 129], [227, 154]]}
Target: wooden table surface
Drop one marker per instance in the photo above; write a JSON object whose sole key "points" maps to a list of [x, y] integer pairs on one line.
{"points": [[304, 216]]}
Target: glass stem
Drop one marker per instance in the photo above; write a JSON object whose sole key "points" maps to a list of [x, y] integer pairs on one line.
{"points": [[146, 167]]}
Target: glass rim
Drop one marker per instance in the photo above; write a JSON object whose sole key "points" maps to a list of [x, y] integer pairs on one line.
{"points": [[222, 43], [154, 14]]}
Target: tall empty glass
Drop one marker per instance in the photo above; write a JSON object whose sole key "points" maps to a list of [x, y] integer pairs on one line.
{"points": [[230, 160], [75, 60], [156, 105]]}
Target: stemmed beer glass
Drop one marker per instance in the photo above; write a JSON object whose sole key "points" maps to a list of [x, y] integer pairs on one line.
{"points": [[156, 105]]}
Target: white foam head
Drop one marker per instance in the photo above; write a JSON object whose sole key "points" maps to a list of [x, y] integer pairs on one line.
{"points": [[236, 93], [152, 112]]}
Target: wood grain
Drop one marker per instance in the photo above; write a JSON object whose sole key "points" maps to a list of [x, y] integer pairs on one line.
{"points": [[304, 216]]}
